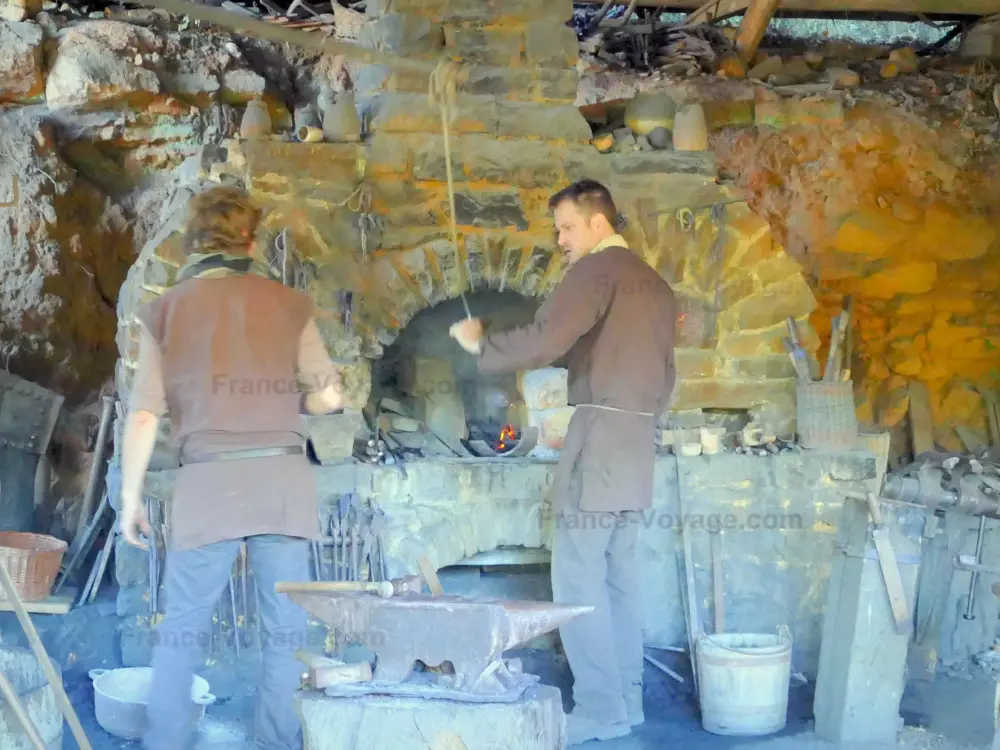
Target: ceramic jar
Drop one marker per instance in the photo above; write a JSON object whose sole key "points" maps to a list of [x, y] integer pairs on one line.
{"points": [[256, 122], [341, 123]]}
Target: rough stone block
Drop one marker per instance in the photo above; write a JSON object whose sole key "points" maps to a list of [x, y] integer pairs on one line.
{"points": [[917, 277], [403, 34], [548, 44], [485, 46], [544, 388], [427, 159], [765, 366], [529, 120], [240, 86], [532, 164], [556, 86], [482, 11], [21, 75], [412, 113], [498, 209], [851, 466], [695, 363], [791, 297], [726, 113], [729, 394], [550, 85], [274, 165], [665, 162], [133, 600], [86, 72], [136, 642], [131, 565]]}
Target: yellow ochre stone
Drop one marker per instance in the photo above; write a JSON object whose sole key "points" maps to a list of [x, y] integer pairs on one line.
{"points": [[917, 277]]}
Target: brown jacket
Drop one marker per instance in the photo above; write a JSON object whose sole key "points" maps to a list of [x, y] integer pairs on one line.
{"points": [[613, 318], [227, 358]]}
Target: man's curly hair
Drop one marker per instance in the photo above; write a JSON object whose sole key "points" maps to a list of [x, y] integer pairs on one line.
{"points": [[221, 220]]}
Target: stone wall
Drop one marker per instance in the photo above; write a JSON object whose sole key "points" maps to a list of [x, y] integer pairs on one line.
{"points": [[778, 515], [900, 214], [373, 217]]}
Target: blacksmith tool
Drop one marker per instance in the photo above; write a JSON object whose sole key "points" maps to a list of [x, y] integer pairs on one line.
{"points": [[974, 578], [384, 589], [316, 563], [367, 542], [430, 576], [325, 672], [244, 572], [339, 541], [887, 562], [378, 529], [833, 357], [236, 617], [799, 360]]}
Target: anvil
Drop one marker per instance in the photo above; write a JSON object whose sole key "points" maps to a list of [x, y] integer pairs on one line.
{"points": [[470, 633]]}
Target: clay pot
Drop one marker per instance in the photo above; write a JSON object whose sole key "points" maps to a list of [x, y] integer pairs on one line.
{"points": [[341, 123], [256, 122], [307, 117], [690, 129], [649, 110]]}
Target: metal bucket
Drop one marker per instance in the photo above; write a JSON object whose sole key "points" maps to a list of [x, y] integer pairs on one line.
{"points": [[121, 697], [39, 699]]}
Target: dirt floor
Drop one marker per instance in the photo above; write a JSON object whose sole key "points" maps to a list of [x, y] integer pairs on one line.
{"points": [[86, 639]]}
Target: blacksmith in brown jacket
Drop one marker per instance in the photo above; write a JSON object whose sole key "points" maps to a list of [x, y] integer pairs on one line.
{"points": [[613, 318], [227, 354]]}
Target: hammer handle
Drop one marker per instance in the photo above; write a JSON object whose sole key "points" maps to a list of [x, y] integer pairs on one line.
{"points": [[382, 588]]}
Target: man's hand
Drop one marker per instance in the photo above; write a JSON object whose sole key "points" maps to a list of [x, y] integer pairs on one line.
{"points": [[468, 333], [133, 521]]}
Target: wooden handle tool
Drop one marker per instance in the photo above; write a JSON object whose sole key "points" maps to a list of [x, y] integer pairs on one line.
{"points": [[325, 672], [384, 589]]}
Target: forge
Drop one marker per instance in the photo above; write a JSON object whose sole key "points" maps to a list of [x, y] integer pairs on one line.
{"points": [[363, 229], [418, 471], [424, 373]]}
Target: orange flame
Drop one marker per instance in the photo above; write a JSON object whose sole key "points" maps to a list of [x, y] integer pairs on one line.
{"points": [[508, 433]]}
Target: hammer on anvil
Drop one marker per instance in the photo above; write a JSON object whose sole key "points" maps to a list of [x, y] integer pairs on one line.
{"points": [[385, 589]]}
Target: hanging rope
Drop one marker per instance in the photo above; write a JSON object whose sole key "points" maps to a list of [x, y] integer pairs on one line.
{"points": [[443, 92]]}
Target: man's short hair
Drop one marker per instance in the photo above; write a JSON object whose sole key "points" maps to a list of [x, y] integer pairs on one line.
{"points": [[589, 196], [223, 219]]}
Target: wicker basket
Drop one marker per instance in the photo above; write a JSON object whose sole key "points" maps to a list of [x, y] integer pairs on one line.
{"points": [[33, 561], [826, 416]]}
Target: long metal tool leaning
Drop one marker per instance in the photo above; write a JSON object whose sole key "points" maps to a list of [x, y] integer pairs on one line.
{"points": [[445, 74]]}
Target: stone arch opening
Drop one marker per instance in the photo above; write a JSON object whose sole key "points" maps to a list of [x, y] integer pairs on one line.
{"points": [[425, 374]]}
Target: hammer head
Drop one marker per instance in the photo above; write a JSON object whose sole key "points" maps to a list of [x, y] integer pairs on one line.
{"points": [[407, 585]]}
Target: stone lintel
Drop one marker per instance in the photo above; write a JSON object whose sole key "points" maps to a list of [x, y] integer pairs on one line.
{"points": [[477, 11]]}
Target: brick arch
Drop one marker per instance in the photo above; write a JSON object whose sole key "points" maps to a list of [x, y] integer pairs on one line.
{"points": [[396, 285]]}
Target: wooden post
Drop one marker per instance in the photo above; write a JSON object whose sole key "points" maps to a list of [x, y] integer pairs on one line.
{"points": [[62, 700], [753, 26]]}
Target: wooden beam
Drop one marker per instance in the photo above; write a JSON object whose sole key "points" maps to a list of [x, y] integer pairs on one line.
{"points": [[911, 7], [753, 26]]}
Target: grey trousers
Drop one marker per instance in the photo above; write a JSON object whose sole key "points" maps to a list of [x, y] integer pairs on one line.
{"points": [[194, 581], [593, 563]]}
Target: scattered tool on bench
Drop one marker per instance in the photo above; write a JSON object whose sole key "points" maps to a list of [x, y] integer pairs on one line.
{"points": [[385, 589], [325, 672]]}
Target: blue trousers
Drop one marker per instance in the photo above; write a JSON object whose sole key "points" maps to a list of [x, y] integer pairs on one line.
{"points": [[194, 581]]}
